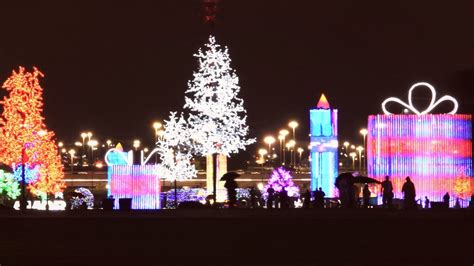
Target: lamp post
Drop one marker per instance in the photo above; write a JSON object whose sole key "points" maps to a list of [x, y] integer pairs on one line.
{"points": [[72, 152], [269, 140], [364, 132], [290, 145], [136, 144], [293, 125], [157, 126], [353, 155], [284, 133], [300, 151], [281, 138], [262, 153], [360, 149]]}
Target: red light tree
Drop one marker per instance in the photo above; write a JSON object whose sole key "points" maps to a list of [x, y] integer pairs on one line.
{"points": [[24, 138]]}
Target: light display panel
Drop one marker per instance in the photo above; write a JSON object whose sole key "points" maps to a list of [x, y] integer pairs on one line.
{"points": [[138, 182], [433, 149], [323, 127]]}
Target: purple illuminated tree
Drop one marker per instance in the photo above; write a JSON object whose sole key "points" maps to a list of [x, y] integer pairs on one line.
{"points": [[280, 179]]}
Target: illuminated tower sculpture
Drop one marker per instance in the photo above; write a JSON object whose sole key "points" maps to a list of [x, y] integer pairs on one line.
{"points": [[323, 132]]}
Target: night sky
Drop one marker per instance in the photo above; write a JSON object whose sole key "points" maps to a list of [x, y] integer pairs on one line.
{"points": [[114, 69]]}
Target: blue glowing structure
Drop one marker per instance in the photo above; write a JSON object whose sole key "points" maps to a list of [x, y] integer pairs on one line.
{"points": [[31, 174], [323, 132]]}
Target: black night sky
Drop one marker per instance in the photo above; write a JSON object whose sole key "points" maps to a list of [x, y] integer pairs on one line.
{"points": [[114, 69]]}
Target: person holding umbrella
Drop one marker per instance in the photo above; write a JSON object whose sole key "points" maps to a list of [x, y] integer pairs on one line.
{"points": [[231, 187]]}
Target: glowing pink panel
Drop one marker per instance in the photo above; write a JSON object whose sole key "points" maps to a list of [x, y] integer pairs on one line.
{"points": [[139, 182]]}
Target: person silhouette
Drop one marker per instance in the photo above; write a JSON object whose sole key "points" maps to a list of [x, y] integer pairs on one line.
{"points": [[306, 199], [253, 198], [284, 199], [409, 194], [427, 203], [446, 200], [270, 197], [387, 193], [319, 198], [366, 196], [231, 185]]}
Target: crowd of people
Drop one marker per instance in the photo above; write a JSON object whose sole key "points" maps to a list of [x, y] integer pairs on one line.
{"points": [[348, 199]]}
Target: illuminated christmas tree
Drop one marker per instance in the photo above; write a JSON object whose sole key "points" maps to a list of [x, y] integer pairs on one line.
{"points": [[281, 179], [175, 150], [24, 138], [217, 114], [217, 117]]}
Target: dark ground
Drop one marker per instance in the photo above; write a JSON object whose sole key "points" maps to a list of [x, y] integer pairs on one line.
{"points": [[239, 237]]}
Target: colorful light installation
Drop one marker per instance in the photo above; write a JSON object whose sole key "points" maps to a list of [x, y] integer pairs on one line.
{"points": [[138, 182], [23, 134], [433, 149], [31, 174], [9, 187], [280, 179], [324, 144]]}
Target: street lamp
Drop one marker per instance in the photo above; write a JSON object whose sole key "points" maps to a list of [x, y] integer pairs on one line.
{"points": [[262, 153], [346, 144], [300, 151], [78, 144], [160, 134], [360, 149], [284, 133], [293, 125], [353, 155], [281, 138], [92, 143], [364, 132], [291, 144], [269, 140], [108, 143], [136, 144], [157, 126], [60, 144], [72, 152]]}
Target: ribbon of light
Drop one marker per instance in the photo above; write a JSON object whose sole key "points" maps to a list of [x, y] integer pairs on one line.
{"points": [[130, 160], [433, 102]]}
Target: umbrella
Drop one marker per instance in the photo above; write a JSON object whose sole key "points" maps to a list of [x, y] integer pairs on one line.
{"points": [[342, 177], [365, 179], [350, 178], [229, 176]]}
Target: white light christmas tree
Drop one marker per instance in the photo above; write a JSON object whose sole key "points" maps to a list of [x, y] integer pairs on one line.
{"points": [[175, 150], [217, 116]]}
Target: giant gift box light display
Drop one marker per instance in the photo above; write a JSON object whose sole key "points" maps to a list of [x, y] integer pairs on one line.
{"points": [[141, 182], [433, 149], [323, 147]]}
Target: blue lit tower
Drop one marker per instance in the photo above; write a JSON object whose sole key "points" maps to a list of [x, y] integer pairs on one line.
{"points": [[323, 133]]}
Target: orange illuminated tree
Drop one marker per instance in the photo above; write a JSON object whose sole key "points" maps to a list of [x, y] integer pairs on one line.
{"points": [[24, 138]]}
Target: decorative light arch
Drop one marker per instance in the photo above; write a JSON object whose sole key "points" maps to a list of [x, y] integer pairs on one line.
{"points": [[433, 102]]}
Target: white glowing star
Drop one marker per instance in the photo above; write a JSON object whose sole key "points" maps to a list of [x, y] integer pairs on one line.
{"points": [[433, 102]]}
